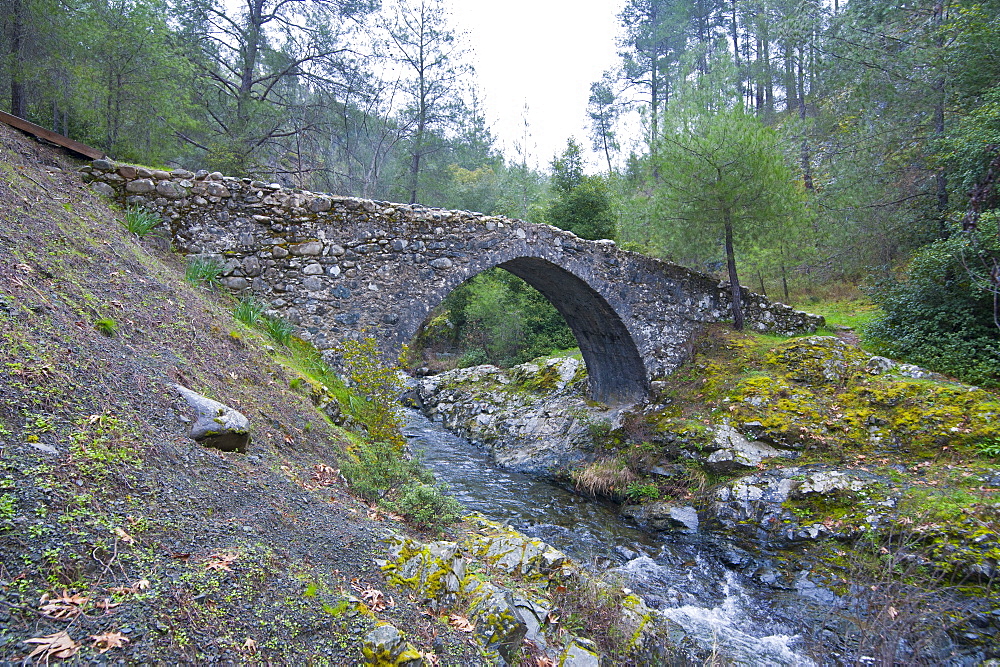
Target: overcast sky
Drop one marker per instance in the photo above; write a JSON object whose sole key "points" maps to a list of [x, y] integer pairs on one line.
{"points": [[543, 53]]}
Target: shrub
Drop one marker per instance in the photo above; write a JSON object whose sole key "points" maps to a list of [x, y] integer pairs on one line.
{"points": [[426, 506], [139, 221], [249, 310], [939, 315], [203, 271], [379, 383], [376, 469]]}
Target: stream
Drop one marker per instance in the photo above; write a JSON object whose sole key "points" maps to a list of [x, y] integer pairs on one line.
{"points": [[695, 580]]}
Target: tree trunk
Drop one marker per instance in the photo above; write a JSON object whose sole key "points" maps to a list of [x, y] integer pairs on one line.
{"points": [[18, 101], [734, 281]]}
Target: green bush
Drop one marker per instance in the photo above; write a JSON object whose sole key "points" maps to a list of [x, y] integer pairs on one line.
{"points": [[203, 271], [139, 221], [377, 382], [939, 315], [376, 469], [642, 493], [426, 506]]}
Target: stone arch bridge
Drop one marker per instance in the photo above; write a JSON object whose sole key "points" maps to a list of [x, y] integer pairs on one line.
{"points": [[339, 266]]}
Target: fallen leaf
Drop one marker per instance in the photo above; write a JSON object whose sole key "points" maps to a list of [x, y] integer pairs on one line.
{"points": [[109, 640], [431, 659], [374, 598], [57, 645], [221, 561], [124, 537], [106, 604], [62, 608], [893, 613], [542, 661], [249, 646], [461, 623]]}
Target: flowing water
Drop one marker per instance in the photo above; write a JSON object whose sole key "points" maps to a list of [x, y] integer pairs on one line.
{"points": [[694, 580]]}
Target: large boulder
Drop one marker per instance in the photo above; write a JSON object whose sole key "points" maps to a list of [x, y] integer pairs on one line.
{"points": [[735, 453], [663, 516], [216, 424], [534, 417]]}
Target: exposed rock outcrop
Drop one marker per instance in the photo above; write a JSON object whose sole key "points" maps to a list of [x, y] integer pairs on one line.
{"points": [[533, 417], [216, 424]]}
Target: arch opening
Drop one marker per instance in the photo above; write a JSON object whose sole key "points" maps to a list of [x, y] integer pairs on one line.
{"points": [[615, 368], [614, 365]]}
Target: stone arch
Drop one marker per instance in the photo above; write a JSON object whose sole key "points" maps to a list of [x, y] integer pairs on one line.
{"points": [[614, 364]]}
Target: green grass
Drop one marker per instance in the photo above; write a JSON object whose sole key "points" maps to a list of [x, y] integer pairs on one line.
{"points": [[853, 312], [249, 310], [139, 221], [278, 329], [203, 271], [106, 326]]}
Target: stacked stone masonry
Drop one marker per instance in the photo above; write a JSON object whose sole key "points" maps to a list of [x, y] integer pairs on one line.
{"points": [[340, 267]]}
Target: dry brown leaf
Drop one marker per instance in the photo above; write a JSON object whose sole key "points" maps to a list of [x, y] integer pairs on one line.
{"points": [[221, 561], [893, 613], [460, 622], [106, 604], [57, 645], [124, 537], [109, 640], [62, 608], [249, 646], [543, 661], [324, 475], [431, 659], [140, 585], [374, 598]]}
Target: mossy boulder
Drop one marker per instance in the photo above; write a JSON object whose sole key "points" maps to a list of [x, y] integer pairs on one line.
{"points": [[817, 360]]}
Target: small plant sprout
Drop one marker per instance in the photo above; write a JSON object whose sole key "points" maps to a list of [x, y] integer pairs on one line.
{"points": [[203, 271], [139, 221], [106, 326]]}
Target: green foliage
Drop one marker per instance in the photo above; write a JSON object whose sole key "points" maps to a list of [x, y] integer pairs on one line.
{"points": [[278, 329], [639, 492], [989, 448], [427, 506], [939, 315], [379, 383], [249, 310], [496, 318], [583, 203], [203, 271], [381, 473], [8, 509], [376, 469], [101, 443], [139, 221], [106, 326]]}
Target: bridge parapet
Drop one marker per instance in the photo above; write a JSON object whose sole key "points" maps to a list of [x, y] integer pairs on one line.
{"points": [[340, 267]]}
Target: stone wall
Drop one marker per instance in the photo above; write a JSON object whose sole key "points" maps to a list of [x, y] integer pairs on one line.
{"points": [[340, 267]]}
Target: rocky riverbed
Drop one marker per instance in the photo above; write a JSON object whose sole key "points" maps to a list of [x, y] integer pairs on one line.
{"points": [[811, 453]]}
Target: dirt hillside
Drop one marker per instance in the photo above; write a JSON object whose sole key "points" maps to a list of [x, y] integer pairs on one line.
{"points": [[117, 532]]}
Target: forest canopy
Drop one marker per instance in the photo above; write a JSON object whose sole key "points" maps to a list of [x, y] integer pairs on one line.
{"points": [[848, 142]]}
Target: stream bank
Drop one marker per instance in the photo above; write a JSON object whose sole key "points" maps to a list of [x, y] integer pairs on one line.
{"points": [[822, 469]]}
